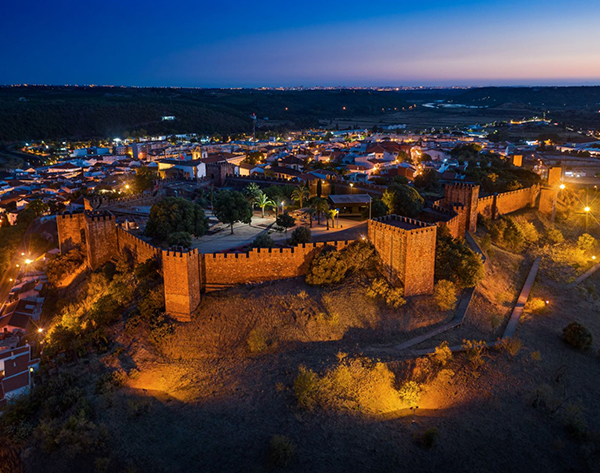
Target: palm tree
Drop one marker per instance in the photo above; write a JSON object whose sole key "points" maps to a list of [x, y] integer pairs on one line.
{"points": [[300, 194], [263, 201], [321, 206], [330, 215], [310, 211]]}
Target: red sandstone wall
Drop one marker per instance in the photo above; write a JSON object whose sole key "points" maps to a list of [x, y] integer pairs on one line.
{"points": [[101, 237], [485, 206], [408, 255], [181, 272], [69, 230], [141, 250], [420, 261], [547, 197], [222, 270], [509, 202]]}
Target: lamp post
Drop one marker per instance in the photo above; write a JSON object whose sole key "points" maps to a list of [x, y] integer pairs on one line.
{"points": [[351, 187]]}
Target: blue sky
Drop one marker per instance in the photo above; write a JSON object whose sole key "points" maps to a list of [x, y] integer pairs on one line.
{"points": [[272, 43]]}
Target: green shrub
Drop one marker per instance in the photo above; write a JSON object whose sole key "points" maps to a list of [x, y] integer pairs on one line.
{"points": [[428, 438], [329, 267], [354, 384], [301, 235], [306, 387], [394, 297], [578, 336], [263, 241], [257, 341], [282, 451], [456, 262], [445, 294], [511, 346], [554, 236], [474, 350], [442, 355], [410, 393]]}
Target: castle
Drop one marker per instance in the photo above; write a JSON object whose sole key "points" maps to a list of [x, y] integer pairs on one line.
{"points": [[406, 247]]}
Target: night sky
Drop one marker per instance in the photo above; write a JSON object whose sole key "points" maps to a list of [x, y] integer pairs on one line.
{"points": [[288, 43]]}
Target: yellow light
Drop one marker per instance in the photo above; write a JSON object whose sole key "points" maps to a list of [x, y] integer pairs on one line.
{"points": [[593, 257], [562, 186], [587, 209], [28, 261], [40, 330]]}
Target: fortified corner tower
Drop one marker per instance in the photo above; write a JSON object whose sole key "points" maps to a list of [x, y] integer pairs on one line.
{"points": [[467, 195], [181, 271], [71, 230], [101, 237], [407, 249]]}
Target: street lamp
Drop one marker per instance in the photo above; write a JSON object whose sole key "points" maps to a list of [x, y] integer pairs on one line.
{"points": [[351, 187]]}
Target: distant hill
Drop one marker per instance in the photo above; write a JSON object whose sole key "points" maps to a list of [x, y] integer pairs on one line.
{"points": [[55, 112]]}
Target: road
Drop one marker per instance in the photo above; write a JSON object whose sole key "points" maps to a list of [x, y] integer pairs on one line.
{"points": [[8, 278]]}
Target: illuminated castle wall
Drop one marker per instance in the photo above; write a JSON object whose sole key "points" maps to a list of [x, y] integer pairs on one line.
{"points": [[406, 247]]}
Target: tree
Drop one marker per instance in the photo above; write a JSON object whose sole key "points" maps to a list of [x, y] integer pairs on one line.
{"points": [[320, 205], [378, 209], [176, 214], [300, 194], [403, 200], [263, 201], [231, 207], [253, 193], [445, 294], [144, 179], [330, 215], [36, 208], [300, 235], [180, 239], [285, 220], [428, 180], [456, 262], [263, 241], [310, 212]]}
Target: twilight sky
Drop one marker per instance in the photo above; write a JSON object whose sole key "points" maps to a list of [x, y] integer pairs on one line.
{"points": [[243, 43]]}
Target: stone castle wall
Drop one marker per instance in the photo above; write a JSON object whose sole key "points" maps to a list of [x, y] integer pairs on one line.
{"points": [[182, 281], [139, 249], [486, 206], [408, 254], [70, 230], [509, 202], [222, 270], [101, 238]]}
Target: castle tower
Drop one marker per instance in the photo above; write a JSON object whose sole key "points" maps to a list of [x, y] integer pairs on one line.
{"points": [[101, 237], [181, 272], [407, 249], [468, 196], [71, 231]]}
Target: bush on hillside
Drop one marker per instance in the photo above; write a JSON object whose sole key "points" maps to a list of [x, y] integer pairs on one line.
{"points": [[354, 384], [393, 296], [578, 336], [282, 451], [61, 266], [445, 294], [332, 266]]}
